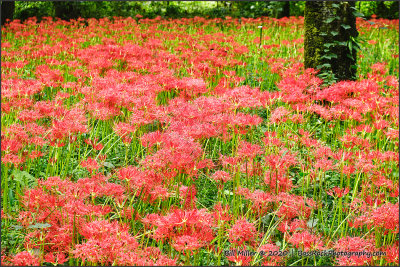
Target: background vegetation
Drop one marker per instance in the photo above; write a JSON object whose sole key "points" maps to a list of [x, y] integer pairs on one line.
{"points": [[176, 9]]}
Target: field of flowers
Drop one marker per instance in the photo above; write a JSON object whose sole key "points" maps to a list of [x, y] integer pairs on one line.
{"points": [[195, 142]]}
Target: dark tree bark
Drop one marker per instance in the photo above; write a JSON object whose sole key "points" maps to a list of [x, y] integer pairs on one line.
{"points": [[7, 11], [394, 10], [285, 10], [381, 10], [67, 10], [328, 44]]}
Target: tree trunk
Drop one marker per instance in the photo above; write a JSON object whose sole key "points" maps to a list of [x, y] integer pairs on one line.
{"points": [[67, 10], [285, 10], [393, 10], [328, 44], [381, 10], [7, 11]]}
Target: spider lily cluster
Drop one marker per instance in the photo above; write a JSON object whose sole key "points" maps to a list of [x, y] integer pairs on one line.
{"points": [[170, 142]]}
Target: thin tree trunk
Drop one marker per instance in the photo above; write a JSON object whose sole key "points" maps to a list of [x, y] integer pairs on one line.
{"points": [[381, 10], [7, 11], [285, 10], [67, 10]]}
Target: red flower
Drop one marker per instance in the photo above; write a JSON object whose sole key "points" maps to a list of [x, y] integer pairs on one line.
{"points": [[279, 115], [306, 241], [248, 150], [354, 244], [240, 260], [338, 192], [270, 248], [242, 231], [387, 216], [25, 259], [96, 146], [221, 176], [90, 164], [392, 254], [183, 243]]}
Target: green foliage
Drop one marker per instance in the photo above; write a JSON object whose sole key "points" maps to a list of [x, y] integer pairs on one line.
{"points": [[25, 10], [11, 236], [173, 11], [275, 8], [387, 9], [250, 9], [179, 9], [23, 179], [152, 9]]}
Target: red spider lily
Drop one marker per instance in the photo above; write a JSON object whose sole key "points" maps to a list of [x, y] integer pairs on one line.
{"points": [[25, 259], [278, 181], [123, 130], [221, 213], [159, 192], [240, 260], [12, 146], [252, 168], [244, 96], [51, 78], [379, 68], [188, 196], [392, 254], [97, 146], [12, 159], [90, 164], [297, 118], [338, 192], [187, 243], [298, 226], [151, 138], [35, 154], [283, 160], [20, 87], [392, 133], [73, 122], [387, 217], [320, 110], [59, 258], [101, 111], [279, 115], [229, 161], [260, 200], [141, 181], [242, 231], [221, 176], [270, 248], [293, 206], [29, 115], [177, 152], [306, 241], [353, 244], [271, 140], [180, 223], [106, 243], [248, 150], [381, 124]]}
